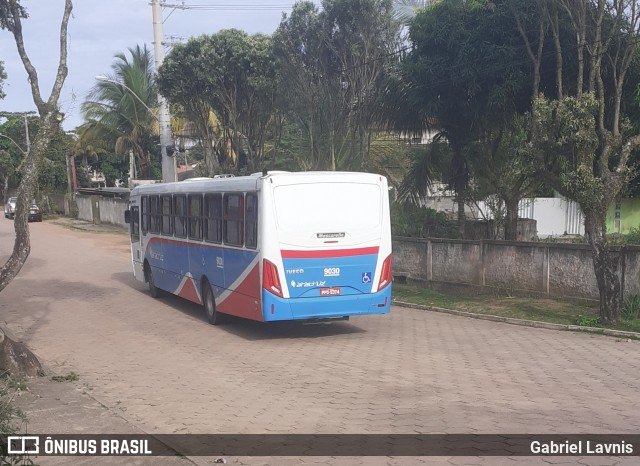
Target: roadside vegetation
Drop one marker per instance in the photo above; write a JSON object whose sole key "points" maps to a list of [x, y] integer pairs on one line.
{"points": [[504, 303], [12, 419]]}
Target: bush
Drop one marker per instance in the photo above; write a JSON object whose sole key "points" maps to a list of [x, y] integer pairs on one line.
{"points": [[631, 307], [633, 237], [421, 222], [12, 420]]}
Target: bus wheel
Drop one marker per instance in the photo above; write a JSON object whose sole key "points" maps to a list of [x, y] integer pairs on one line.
{"points": [[213, 316], [153, 290]]}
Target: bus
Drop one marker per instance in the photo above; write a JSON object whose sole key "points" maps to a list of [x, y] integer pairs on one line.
{"points": [[272, 246]]}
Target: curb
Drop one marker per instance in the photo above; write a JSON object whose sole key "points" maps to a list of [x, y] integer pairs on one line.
{"points": [[90, 227], [523, 322]]}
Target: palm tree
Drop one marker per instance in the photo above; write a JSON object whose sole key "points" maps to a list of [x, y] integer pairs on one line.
{"points": [[87, 146], [119, 108], [405, 10]]}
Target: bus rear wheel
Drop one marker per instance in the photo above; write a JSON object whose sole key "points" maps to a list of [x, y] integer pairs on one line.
{"points": [[153, 290], [213, 316]]}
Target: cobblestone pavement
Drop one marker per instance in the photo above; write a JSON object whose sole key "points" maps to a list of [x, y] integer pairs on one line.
{"points": [[159, 366]]}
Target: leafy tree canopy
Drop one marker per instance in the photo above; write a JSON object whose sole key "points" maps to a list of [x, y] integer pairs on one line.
{"points": [[3, 76]]}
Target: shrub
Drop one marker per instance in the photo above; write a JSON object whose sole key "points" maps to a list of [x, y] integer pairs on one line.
{"points": [[631, 307], [633, 237], [12, 420], [421, 222]]}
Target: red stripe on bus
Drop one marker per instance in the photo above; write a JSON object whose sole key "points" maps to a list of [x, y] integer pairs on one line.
{"points": [[289, 254]]}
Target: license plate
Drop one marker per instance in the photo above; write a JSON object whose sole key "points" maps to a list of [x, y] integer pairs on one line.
{"points": [[332, 291], [34, 212]]}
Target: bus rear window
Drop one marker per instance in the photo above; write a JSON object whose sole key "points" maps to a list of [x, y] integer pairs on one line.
{"points": [[325, 207]]}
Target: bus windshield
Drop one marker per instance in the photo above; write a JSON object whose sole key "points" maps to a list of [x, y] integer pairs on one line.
{"points": [[323, 207]]}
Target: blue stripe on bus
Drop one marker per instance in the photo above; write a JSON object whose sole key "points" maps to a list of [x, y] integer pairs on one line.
{"points": [[172, 260], [276, 308]]}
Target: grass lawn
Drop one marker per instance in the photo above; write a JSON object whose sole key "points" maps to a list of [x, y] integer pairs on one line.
{"points": [[540, 309]]}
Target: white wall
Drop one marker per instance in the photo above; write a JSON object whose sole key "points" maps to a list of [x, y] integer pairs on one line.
{"points": [[555, 216]]}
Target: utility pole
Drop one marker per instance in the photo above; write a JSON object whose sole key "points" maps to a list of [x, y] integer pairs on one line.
{"points": [[164, 118], [26, 132]]}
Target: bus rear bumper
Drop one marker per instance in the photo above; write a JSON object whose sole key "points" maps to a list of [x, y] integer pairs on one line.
{"points": [[275, 308]]}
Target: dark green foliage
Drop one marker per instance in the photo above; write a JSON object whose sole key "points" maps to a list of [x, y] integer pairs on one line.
{"points": [[113, 167], [232, 74], [119, 110], [3, 76], [421, 222], [631, 307], [633, 237]]}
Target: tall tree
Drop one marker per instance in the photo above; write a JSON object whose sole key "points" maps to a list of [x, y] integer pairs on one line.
{"points": [[3, 76], [233, 74], [464, 76], [334, 61], [182, 79], [317, 98], [578, 140], [120, 109], [11, 15], [362, 35]]}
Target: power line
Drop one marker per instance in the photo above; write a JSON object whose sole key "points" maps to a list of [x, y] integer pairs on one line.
{"points": [[231, 6]]}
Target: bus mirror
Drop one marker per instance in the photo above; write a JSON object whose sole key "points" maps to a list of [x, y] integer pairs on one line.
{"points": [[127, 216]]}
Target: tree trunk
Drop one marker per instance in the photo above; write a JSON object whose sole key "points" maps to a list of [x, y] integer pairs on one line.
{"points": [[606, 267], [511, 221], [26, 190], [16, 358], [461, 214]]}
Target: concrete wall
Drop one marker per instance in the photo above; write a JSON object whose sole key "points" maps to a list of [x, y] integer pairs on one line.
{"points": [[551, 268], [98, 209], [84, 207], [112, 210]]}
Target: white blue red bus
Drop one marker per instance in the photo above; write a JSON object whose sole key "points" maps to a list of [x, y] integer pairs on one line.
{"points": [[267, 247]]}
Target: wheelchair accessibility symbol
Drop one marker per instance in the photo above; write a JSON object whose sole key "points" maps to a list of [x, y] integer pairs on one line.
{"points": [[366, 277]]}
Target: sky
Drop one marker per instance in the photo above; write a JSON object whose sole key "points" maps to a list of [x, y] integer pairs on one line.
{"points": [[100, 29]]}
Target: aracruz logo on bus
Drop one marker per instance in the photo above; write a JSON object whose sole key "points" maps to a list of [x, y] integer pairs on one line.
{"points": [[330, 235], [332, 291]]}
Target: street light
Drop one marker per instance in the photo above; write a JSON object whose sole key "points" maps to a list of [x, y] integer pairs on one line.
{"points": [[166, 140], [26, 129], [14, 143]]}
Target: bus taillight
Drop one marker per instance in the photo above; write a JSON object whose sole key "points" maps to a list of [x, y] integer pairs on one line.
{"points": [[385, 275], [270, 279]]}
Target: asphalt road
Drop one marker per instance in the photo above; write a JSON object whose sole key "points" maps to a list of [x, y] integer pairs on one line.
{"points": [[160, 366]]}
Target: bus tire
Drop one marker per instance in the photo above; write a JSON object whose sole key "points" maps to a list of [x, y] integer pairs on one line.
{"points": [[153, 290], [209, 303]]}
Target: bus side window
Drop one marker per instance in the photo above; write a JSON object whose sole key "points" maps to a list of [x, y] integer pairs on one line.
{"points": [[195, 216], [251, 221], [165, 206], [145, 214], [135, 224], [233, 219], [179, 215], [213, 218], [154, 218]]}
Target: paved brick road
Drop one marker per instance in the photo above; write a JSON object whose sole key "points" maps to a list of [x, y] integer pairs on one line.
{"points": [[164, 369]]}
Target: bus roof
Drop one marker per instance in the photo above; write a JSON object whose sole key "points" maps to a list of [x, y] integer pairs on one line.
{"points": [[246, 183]]}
